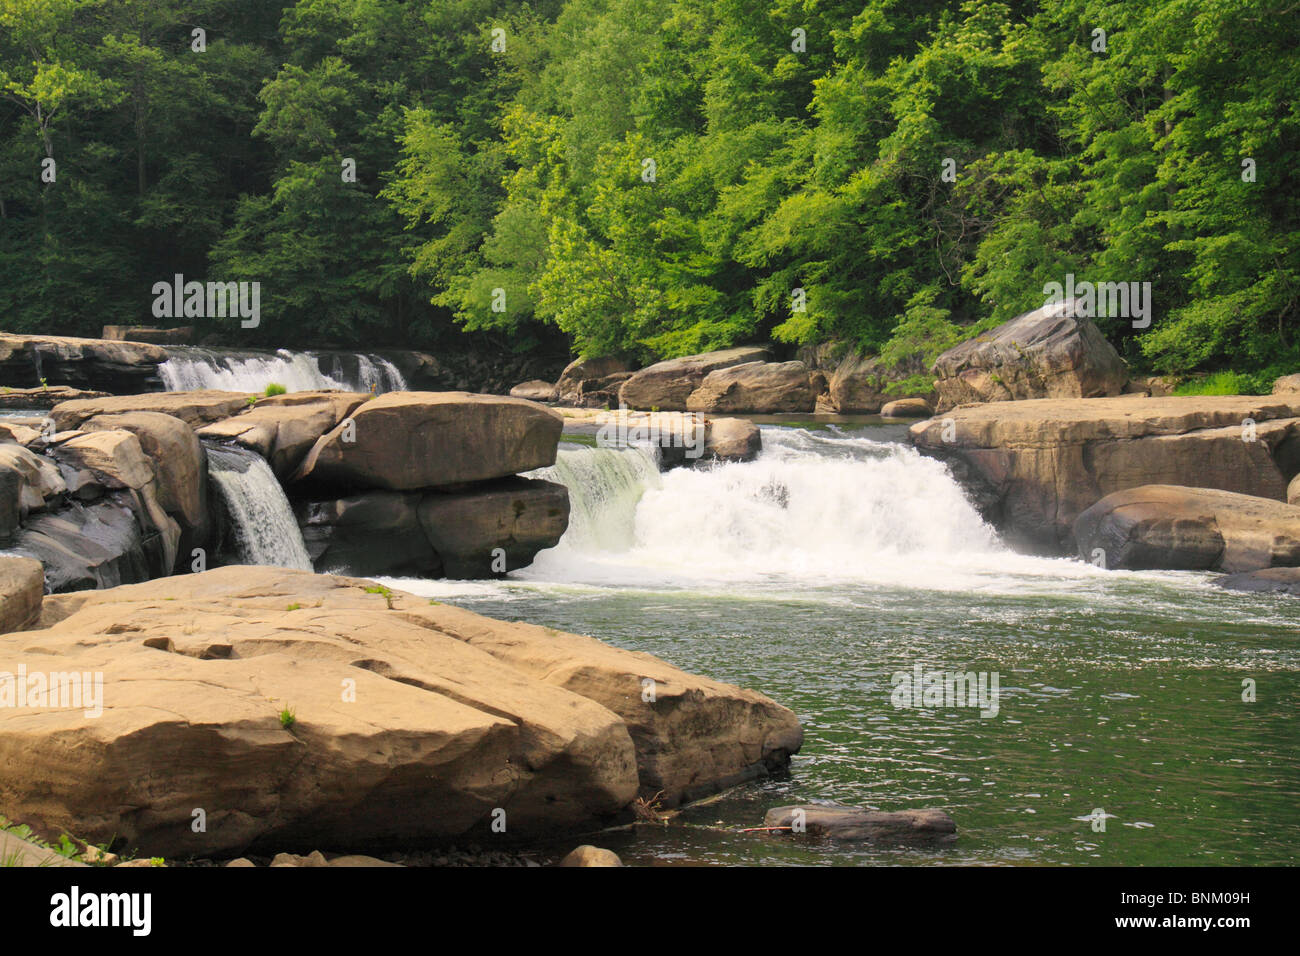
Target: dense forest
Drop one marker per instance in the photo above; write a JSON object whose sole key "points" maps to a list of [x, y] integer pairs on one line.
{"points": [[657, 177]]}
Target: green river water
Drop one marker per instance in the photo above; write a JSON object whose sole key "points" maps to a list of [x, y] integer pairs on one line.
{"points": [[834, 561]]}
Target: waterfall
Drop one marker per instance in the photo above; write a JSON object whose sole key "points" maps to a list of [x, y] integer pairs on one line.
{"points": [[189, 369], [605, 486], [263, 526], [812, 507]]}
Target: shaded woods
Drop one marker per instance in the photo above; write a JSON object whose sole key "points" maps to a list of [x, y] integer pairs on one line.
{"points": [[653, 179]]}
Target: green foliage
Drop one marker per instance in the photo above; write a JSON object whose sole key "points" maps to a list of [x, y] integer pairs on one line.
{"points": [[386, 592], [287, 717], [1229, 383], [649, 178], [275, 388]]}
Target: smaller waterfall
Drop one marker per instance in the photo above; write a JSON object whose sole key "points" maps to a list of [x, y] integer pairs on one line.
{"points": [[190, 369], [605, 485], [261, 521]]}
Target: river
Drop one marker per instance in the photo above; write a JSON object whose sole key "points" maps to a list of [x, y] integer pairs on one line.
{"points": [[839, 559]]}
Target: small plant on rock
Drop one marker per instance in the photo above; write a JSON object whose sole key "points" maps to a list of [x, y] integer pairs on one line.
{"points": [[287, 718], [275, 388], [386, 592]]}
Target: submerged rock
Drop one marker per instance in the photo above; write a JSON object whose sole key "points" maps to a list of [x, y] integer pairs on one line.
{"points": [[852, 823], [588, 855], [301, 710], [1265, 581]]}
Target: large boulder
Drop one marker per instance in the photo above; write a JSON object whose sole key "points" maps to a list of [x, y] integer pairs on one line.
{"points": [[176, 456], [1045, 353], [113, 458], [907, 408], [857, 385], [485, 530], [195, 408], [756, 388], [667, 385], [1189, 529], [535, 390], [1287, 384], [22, 587], [851, 382], [694, 736], [583, 376], [283, 428], [408, 440], [494, 528], [301, 711], [732, 439], [1032, 467]]}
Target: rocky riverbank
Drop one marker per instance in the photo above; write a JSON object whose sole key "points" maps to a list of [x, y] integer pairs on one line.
{"points": [[298, 711], [1033, 467], [115, 490], [129, 361]]}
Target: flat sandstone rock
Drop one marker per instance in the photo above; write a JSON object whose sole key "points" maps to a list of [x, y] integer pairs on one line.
{"points": [[304, 711]]}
